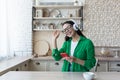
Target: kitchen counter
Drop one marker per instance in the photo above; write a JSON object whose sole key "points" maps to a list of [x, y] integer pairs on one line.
{"points": [[7, 65], [43, 58], [10, 63], [108, 59], [100, 58], [32, 75]]}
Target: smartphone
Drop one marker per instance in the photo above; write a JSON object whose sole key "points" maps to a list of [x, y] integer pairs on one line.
{"points": [[64, 55]]}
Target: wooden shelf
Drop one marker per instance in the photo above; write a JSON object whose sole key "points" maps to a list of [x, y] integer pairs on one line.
{"points": [[46, 29], [60, 18], [56, 6]]}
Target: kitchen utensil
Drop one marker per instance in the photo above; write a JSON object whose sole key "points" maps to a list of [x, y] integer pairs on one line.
{"points": [[41, 47], [46, 12]]}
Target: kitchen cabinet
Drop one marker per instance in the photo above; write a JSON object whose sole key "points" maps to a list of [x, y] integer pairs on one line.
{"points": [[38, 65], [21, 67], [45, 65], [24, 66], [16, 68], [54, 65], [114, 66], [108, 64], [102, 67]]}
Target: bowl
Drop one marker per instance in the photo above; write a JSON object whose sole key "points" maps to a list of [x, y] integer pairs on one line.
{"points": [[89, 75]]}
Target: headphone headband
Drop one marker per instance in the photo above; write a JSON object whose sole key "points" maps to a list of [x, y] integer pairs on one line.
{"points": [[75, 25]]}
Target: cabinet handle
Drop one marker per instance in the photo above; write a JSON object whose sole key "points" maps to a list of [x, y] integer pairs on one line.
{"points": [[118, 64], [37, 63], [25, 65], [17, 69], [56, 63], [98, 64]]}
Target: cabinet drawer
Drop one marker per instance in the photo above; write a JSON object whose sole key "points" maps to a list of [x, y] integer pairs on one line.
{"points": [[37, 66], [102, 67], [115, 65], [114, 70], [55, 65], [24, 66]]}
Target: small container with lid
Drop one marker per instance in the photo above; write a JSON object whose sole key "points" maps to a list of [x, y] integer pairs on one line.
{"points": [[76, 2]]}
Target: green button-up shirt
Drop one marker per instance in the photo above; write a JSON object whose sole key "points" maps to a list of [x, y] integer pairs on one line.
{"points": [[84, 51]]}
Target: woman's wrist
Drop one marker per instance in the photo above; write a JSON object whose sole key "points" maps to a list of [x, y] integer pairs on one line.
{"points": [[54, 43], [79, 61]]}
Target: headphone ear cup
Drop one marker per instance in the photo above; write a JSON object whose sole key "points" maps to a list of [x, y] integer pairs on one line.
{"points": [[75, 27]]}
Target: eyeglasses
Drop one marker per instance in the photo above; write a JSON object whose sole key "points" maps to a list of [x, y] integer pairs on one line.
{"points": [[67, 29]]}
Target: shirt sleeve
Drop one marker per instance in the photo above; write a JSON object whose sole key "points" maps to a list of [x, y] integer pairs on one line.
{"points": [[56, 53], [90, 61]]}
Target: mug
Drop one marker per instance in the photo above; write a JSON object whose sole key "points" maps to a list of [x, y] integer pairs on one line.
{"points": [[88, 75]]}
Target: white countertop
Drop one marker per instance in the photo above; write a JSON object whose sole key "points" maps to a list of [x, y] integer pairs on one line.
{"points": [[7, 64], [100, 58], [35, 75]]}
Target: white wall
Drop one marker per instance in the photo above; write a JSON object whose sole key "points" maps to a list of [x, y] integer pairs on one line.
{"points": [[19, 15], [3, 29]]}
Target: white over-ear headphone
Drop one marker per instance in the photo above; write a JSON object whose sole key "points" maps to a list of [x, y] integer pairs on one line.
{"points": [[75, 25]]}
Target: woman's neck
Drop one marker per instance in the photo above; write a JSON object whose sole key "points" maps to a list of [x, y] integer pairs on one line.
{"points": [[75, 38]]}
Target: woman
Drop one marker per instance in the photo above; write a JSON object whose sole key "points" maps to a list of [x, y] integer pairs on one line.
{"points": [[80, 50]]}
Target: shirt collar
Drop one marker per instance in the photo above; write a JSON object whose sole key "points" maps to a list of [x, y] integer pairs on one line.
{"points": [[80, 39]]}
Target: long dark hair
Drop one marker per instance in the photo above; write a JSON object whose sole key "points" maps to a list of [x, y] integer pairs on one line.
{"points": [[78, 31]]}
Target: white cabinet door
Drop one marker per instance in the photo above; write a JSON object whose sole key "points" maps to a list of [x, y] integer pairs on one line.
{"points": [[38, 65], [114, 66], [45, 65], [24, 66], [16, 68], [102, 67], [54, 65]]}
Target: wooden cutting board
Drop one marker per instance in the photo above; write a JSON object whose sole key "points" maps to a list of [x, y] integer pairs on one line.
{"points": [[41, 48]]}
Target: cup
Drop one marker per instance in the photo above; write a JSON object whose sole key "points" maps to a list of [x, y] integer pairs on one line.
{"points": [[88, 75]]}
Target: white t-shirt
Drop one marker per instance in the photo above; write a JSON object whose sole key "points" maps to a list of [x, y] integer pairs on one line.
{"points": [[73, 46]]}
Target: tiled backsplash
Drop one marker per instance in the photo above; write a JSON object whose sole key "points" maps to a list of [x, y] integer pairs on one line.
{"points": [[107, 51], [102, 22]]}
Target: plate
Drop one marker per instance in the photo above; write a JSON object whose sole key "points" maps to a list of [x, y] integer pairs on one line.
{"points": [[41, 48], [55, 13]]}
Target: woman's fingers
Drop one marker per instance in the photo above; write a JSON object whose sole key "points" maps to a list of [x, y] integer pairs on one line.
{"points": [[69, 59], [56, 34]]}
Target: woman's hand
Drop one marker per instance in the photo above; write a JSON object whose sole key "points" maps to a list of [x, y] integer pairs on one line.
{"points": [[73, 59], [56, 34], [70, 59]]}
